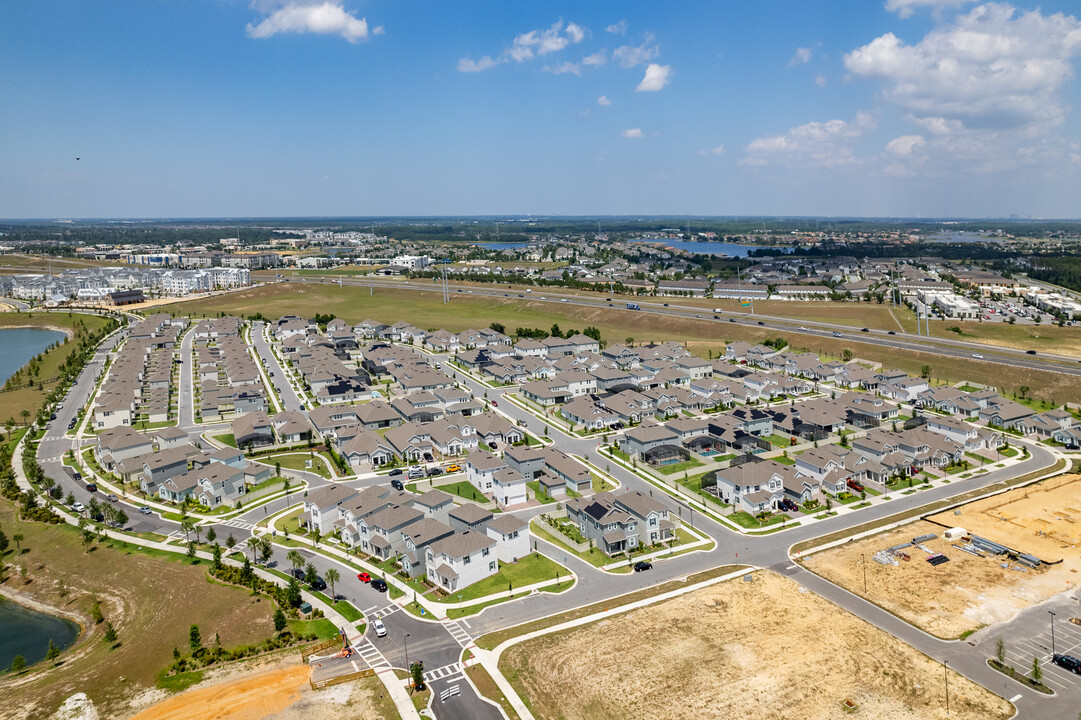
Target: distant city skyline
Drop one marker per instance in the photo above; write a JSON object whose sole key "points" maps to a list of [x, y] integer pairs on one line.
{"points": [[351, 108]]}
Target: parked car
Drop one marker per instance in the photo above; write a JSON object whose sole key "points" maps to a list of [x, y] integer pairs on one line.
{"points": [[76, 475], [395, 471], [789, 505], [78, 507], [495, 404], [379, 584], [319, 584], [144, 510], [1067, 662], [454, 468], [98, 517], [428, 457], [433, 471], [855, 486], [111, 497], [642, 566], [397, 484], [364, 577], [379, 627], [91, 487], [416, 472]]}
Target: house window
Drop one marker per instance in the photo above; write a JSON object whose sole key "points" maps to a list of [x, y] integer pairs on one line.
{"points": [[466, 560], [485, 552], [491, 566], [652, 521]]}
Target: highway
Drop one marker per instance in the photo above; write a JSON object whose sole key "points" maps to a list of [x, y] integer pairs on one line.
{"points": [[439, 643], [656, 306]]}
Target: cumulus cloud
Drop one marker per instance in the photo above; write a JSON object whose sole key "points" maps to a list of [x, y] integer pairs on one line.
{"points": [[905, 8], [802, 56], [991, 68], [327, 18], [526, 46], [905, 145], [619, 28], [564, 68], [632, 133], [820, 80], [827, 144], [596, 59], [630, 55], [719, 150], [656, 78], [603, 100]]}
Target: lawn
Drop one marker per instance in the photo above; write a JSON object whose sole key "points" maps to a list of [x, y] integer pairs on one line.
{"points": [[593, 556], [541, 496], [297, 461], [464, 489], [532, 568], [750, 522], [150, 597], [679, 467]]}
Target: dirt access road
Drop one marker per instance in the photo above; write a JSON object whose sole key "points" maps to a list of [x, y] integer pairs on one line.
{"points": [[738, 651]]}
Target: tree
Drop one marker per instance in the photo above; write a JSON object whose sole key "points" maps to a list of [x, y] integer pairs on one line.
{"points": [[310, 574], [829, 504], [846, 354], [195, 639], [279, 620], [253, 545], [88, 539], [266, 549], [295, 559], [417, 671], [277, 469], [191, 550], [217, 557], [53, 652], [1023, 390], [925, 371], [110, 633], [3, 542], [230, 542], [499, 328], [25, 415], [187, 526], [211, 535], [1037, 671], [17, 538], [1000, 651], [292, 593], [18, 663], [333, 576], [95, 612]]}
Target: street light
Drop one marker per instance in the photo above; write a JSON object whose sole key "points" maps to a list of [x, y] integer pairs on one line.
{"points": [[946, 675], [407, 651], [1052, 614], [863, 561]]}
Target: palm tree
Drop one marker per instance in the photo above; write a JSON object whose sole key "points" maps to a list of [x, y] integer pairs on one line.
{"points": [[332, 577], [25, 415], [253, 545], [17, 539], [187, 526], [295, 559]]}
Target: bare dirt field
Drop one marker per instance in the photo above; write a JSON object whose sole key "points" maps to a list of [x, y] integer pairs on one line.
{"points": [[737, 651], [969, 592], [249, 697]]}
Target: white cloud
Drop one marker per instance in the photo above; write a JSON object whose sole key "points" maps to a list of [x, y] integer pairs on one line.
{"points": [[630, 55], [596, 59], [905, 8], [820, 80], [801, 57], [619, 28], [990, 69], [656, 78], [719, 150], [526, 46], [470, 65], [564, 68], [632, 133], [904, 145], [327, 18], [827, 144], [603, 100]]}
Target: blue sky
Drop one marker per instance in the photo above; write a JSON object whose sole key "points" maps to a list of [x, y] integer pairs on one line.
{"points": [[204, 108]]}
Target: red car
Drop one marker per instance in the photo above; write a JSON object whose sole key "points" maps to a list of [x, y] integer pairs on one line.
{"points": [[495, 404], [364, 577]]}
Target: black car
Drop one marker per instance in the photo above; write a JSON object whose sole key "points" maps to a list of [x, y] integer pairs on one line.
{"points": [[319, 584], [298, 573], [716, 317], [666, 304], [761, 323], [92, 487], [1030, 352], [433, 471], [98, 517], [397, 484], [52, 416], [395, 471], [642, 566], [864, 330], [71, 425], [1067, 662], [891, 332], [379, 584]]}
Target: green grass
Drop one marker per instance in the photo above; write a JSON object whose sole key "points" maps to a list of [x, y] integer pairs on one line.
{"points": [[324, 629], [464, 489], [593, 556], [750, 522], [1008, 452], [533, 568], [541, 496], [179, 682], [226, 438], [679, 467], [297, 462]]}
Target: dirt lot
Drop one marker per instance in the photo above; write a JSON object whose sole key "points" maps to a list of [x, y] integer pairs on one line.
{"points": [[249, 697], [737, 651], [969, 592]]}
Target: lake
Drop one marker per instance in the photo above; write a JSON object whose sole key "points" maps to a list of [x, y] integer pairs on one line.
{"points": [[27, 633], [18, 345], [713, 248]]}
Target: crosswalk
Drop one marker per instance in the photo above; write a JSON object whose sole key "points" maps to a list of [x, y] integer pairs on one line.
{"points": [[371, 655], [240, 524], [378, 612], [458, 632], [447, 672]]}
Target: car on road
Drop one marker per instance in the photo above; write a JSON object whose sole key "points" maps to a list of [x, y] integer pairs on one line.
{"points": [[91, 487], [1067, 662], [319, 584], [698, 316], [891, 332], [76, 475], [395, 471], [495, 404], [563, 300], [78, 507], [716, 317], [71, 425], [977, 356], [433, 471], [761, 323], [454, 468], [521, 295], [666, 304], [145, 510], [111, 497], [836, 334], [379, 627], [1030, 352], [397, 484], [642, 566], [864, 330], [802, 328], [364, 577], [415, 473], [379, 584]]}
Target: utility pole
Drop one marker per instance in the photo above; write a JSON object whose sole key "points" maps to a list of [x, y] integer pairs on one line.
{"points": [[863, 561], [1052, 614], [946, 675]]}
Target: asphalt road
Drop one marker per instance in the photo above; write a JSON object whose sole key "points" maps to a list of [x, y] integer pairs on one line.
{"points": [[433, 642]]}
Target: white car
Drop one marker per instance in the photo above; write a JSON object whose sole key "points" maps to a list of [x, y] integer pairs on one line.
{"points": [[379, 627], [977, 356], [563, 300], [78, 507], [802, 329]]}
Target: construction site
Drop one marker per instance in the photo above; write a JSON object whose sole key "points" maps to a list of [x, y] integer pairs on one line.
{"points": [[963, 569], [739, 650]]}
